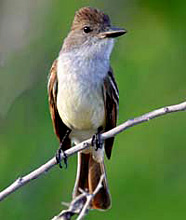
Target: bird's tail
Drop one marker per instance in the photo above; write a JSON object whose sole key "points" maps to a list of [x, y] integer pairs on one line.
{"points": [[88, 176]]}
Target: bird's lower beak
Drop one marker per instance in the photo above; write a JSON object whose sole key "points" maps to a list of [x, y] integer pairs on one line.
{"points": [[112, 32]]}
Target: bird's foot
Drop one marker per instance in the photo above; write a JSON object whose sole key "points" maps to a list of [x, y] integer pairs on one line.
{"points": [[59, 155], [97, 141]]}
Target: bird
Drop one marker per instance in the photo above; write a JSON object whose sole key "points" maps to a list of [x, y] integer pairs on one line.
{"points": [[84, 97]]}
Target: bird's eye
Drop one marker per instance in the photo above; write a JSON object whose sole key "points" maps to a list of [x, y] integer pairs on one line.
{"points": [[87, 29]]}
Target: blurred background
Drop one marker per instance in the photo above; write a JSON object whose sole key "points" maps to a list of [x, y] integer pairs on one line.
{"points": [[147, 171]]}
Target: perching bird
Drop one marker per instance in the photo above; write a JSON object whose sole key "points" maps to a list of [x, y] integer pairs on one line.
{"points": [[83, 96]]}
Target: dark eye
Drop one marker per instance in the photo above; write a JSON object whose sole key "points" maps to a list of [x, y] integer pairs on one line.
{"points": [[87, 29]]}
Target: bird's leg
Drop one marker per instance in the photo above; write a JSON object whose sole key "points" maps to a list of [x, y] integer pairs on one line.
{"points": [[61, 153], [97, 140]]}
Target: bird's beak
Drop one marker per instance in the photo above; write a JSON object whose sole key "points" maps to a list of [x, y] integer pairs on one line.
{"points": [[112, 32]]}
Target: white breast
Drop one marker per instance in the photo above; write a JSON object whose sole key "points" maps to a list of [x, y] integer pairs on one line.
{"points": [[80, 98]]}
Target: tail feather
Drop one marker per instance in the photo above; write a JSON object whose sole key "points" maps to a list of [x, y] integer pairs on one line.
{"points": [[88, 177]]}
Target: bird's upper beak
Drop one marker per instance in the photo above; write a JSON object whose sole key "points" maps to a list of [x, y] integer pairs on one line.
{"points": [[112, 32]]}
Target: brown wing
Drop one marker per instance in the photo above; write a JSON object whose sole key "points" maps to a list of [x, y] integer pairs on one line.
{"points": [[61, 130], [111, 98]]}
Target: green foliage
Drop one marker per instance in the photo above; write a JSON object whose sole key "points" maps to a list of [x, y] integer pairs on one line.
{"points": [[146, 173]]}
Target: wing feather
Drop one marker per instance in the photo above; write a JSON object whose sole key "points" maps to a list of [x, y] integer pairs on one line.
{"points": [[60, 128], [111, 99]]}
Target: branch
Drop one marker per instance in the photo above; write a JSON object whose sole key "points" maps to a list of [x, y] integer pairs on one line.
{"points": [[80, 205], [130, 123]]}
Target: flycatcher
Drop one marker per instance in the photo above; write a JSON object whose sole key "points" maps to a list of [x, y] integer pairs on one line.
{"points": [[83, 96]]}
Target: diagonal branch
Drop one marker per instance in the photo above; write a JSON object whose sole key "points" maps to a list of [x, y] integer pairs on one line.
{"points": [[130, 123]]}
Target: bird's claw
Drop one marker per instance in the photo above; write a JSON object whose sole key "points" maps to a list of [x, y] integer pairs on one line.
{"points": [[59, 155], [97, 141]]}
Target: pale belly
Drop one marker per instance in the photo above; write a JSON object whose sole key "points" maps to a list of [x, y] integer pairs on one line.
{"points": [[80, 105]]}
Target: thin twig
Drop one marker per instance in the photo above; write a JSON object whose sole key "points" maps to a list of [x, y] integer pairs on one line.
{"points": [[85, 209], [81, 204], [130, 123], [74, 207]]}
